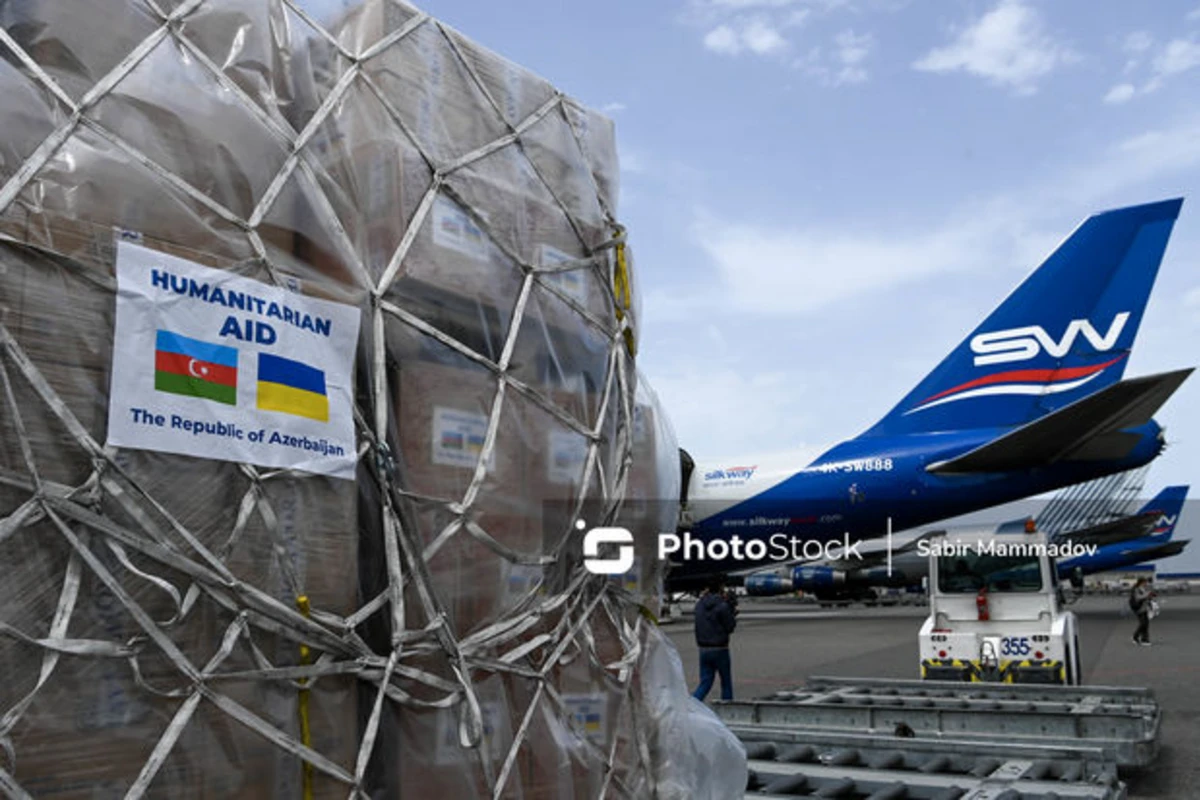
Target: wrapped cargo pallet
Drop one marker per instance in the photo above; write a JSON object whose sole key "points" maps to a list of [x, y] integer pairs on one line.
{"points": [[317, 338]]}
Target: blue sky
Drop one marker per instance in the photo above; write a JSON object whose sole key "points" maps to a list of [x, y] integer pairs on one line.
{"points": [[825, 196]]}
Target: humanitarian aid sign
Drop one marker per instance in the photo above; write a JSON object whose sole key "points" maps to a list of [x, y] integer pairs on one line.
{"points": [[210, 364]]}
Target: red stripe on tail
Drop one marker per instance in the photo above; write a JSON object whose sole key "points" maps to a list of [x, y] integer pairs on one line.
{"points": [[1027, 376]]}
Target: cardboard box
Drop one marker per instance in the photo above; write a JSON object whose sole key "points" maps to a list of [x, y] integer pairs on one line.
{"points": [[442, 415], [491, 207], [92, 725]]}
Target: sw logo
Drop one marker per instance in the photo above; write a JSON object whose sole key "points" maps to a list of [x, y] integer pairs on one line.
{"points": [[1022, 344], [1165, 523]]}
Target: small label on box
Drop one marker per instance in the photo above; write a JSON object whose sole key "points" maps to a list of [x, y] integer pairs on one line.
{"points": [[458, 438], [523, 579], [454, 229], [567, 455], [572, 283], [631, 581], [590, 714]]}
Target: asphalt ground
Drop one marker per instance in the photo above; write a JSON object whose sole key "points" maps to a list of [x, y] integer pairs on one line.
{"points": [[779, 643]]}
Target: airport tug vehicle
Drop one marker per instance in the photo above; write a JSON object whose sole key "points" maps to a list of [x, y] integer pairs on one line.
{"points": [[996, 611]]}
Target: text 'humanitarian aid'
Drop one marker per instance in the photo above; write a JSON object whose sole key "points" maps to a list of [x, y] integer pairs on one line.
{"points": [[207, 363]]}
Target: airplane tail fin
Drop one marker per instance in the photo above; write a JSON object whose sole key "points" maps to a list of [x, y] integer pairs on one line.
{"points": [[1168, 504], [1063, 334]]}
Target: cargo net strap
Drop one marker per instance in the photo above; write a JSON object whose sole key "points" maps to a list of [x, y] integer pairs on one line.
{"points": [[145, 536]]}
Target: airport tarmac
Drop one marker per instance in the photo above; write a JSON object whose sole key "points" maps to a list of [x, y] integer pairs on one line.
{"points": [[778, 643]]}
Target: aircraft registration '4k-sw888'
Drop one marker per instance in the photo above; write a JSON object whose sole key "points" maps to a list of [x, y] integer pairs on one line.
{"points": [[1031, 401]]}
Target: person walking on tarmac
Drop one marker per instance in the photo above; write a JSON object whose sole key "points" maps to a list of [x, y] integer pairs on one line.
{"points": [[1141, 601], [715, 619]]}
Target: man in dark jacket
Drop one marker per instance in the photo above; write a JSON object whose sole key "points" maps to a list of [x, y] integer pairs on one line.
{"points": [[715, 619], [1141, 600]]}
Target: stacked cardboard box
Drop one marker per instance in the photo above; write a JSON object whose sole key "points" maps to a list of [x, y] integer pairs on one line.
{"points": [[210, 166]]}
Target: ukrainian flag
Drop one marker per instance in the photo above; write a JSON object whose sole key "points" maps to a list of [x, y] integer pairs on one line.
{"points": [[292, 388]]}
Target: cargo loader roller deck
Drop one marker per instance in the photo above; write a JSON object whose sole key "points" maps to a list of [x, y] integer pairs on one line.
{"points": [[998, 713]]}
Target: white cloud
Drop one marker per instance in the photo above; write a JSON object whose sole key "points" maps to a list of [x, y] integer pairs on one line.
{"points": [[1175, 58], [843, 64], [632, 162], [796, 18], [1120, 93], [775, 29], [762, 397], [792, 270], [724, 40], [1138, 42], [762, 38], [612, 108], [798, 270], [1180, 55], [742, 5], [1158, 150], [1194, 15], [755, 34], [852, 50], [757, 27], [1192, 298], [1007, 46]]}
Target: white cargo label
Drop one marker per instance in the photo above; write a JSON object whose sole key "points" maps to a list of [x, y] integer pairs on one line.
{"points": [[590, 713], [572, 283], [458, 438], [567, 457], [523, 579], [454, 229], [210, 364]]}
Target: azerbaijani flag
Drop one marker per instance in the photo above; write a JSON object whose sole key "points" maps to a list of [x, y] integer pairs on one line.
{"points": [[291, 387], [195, 368]]}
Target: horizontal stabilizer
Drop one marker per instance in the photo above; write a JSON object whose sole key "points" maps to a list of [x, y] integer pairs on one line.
{"points": [[1164, 550], [1119, 530], [1088, 429]]}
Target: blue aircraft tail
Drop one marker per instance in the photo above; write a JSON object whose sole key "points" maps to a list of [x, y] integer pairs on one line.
{"points": [[1063, 334], [1168, 504]]}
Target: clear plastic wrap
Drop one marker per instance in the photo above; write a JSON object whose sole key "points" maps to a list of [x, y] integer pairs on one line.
{"points": [[188, 627], [694, 755]]}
